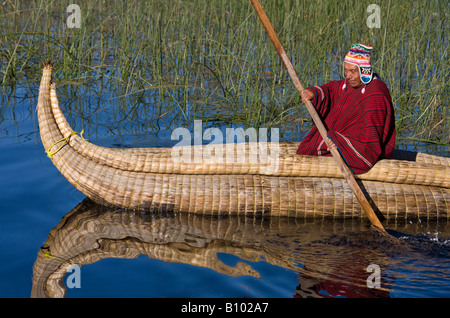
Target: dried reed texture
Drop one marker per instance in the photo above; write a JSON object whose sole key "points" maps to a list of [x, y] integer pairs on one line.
{"points": [[300, 186]]}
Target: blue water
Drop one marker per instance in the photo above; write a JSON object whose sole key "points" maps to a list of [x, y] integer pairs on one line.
{"points": [[35, 197], [319, 259]]}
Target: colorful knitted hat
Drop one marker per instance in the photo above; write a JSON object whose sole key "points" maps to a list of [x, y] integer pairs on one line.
{"points": [[359, 55]]}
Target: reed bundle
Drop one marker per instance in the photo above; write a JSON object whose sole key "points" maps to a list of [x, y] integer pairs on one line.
{"points": [[298, 186]]}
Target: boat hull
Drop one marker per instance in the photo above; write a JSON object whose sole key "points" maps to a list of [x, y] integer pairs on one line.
{"points": [[298, 186]]}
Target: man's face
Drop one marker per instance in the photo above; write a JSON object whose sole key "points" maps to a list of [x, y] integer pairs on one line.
{"points": [[351, 72]]}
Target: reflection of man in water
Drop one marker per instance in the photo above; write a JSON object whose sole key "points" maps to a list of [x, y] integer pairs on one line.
{"points": [[349, 281], [311, 287], [357, 113]]}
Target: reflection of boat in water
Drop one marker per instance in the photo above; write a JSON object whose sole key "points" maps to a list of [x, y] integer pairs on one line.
{"points": [[289, 185], [91, 232]]}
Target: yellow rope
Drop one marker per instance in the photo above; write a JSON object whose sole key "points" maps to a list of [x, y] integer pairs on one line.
{"points": [[47, 254], [65, 140]]}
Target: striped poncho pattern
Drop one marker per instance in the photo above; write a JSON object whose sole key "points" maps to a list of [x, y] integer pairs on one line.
{"points": [[360, 121]]}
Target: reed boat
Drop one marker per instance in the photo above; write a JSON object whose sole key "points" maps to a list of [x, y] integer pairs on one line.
{"points": [[410, 185]]}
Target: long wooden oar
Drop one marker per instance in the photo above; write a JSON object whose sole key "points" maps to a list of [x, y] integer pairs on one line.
{"points": [[317, 121]]}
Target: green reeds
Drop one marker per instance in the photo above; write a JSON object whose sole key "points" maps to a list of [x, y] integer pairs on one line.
{"points": [[139, 66]]}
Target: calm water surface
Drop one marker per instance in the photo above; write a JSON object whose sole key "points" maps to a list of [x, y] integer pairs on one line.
{"points": [[126, 254], [45, 221]]}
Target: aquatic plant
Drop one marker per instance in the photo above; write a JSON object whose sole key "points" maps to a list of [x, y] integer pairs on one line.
{"points": [[139, 66]]}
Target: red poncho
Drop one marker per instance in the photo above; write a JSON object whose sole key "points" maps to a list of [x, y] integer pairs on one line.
{"points": [[360, 121]]}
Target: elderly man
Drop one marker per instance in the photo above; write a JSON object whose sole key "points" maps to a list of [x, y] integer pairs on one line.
{"points": [[357, 112]]}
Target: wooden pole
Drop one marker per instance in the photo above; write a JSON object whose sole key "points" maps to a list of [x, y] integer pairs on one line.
{"points": [[348, 175]]}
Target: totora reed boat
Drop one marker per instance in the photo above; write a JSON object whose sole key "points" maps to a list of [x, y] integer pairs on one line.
{"points": [[411, 185]]}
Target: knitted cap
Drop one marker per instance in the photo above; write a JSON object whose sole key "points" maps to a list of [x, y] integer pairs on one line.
{"points": [[359, 55]]}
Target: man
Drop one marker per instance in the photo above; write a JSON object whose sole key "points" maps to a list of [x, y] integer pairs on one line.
{"points": [[357, 113]]}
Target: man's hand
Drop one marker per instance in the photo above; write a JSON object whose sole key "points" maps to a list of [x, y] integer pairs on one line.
{"points": [[307, 95], [330, 144]]}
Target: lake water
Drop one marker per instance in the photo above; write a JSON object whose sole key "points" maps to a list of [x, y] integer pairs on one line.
{"points": [[126, 254]]}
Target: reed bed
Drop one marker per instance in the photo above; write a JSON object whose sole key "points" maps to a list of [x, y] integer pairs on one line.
{"points": [[136, 67]]}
